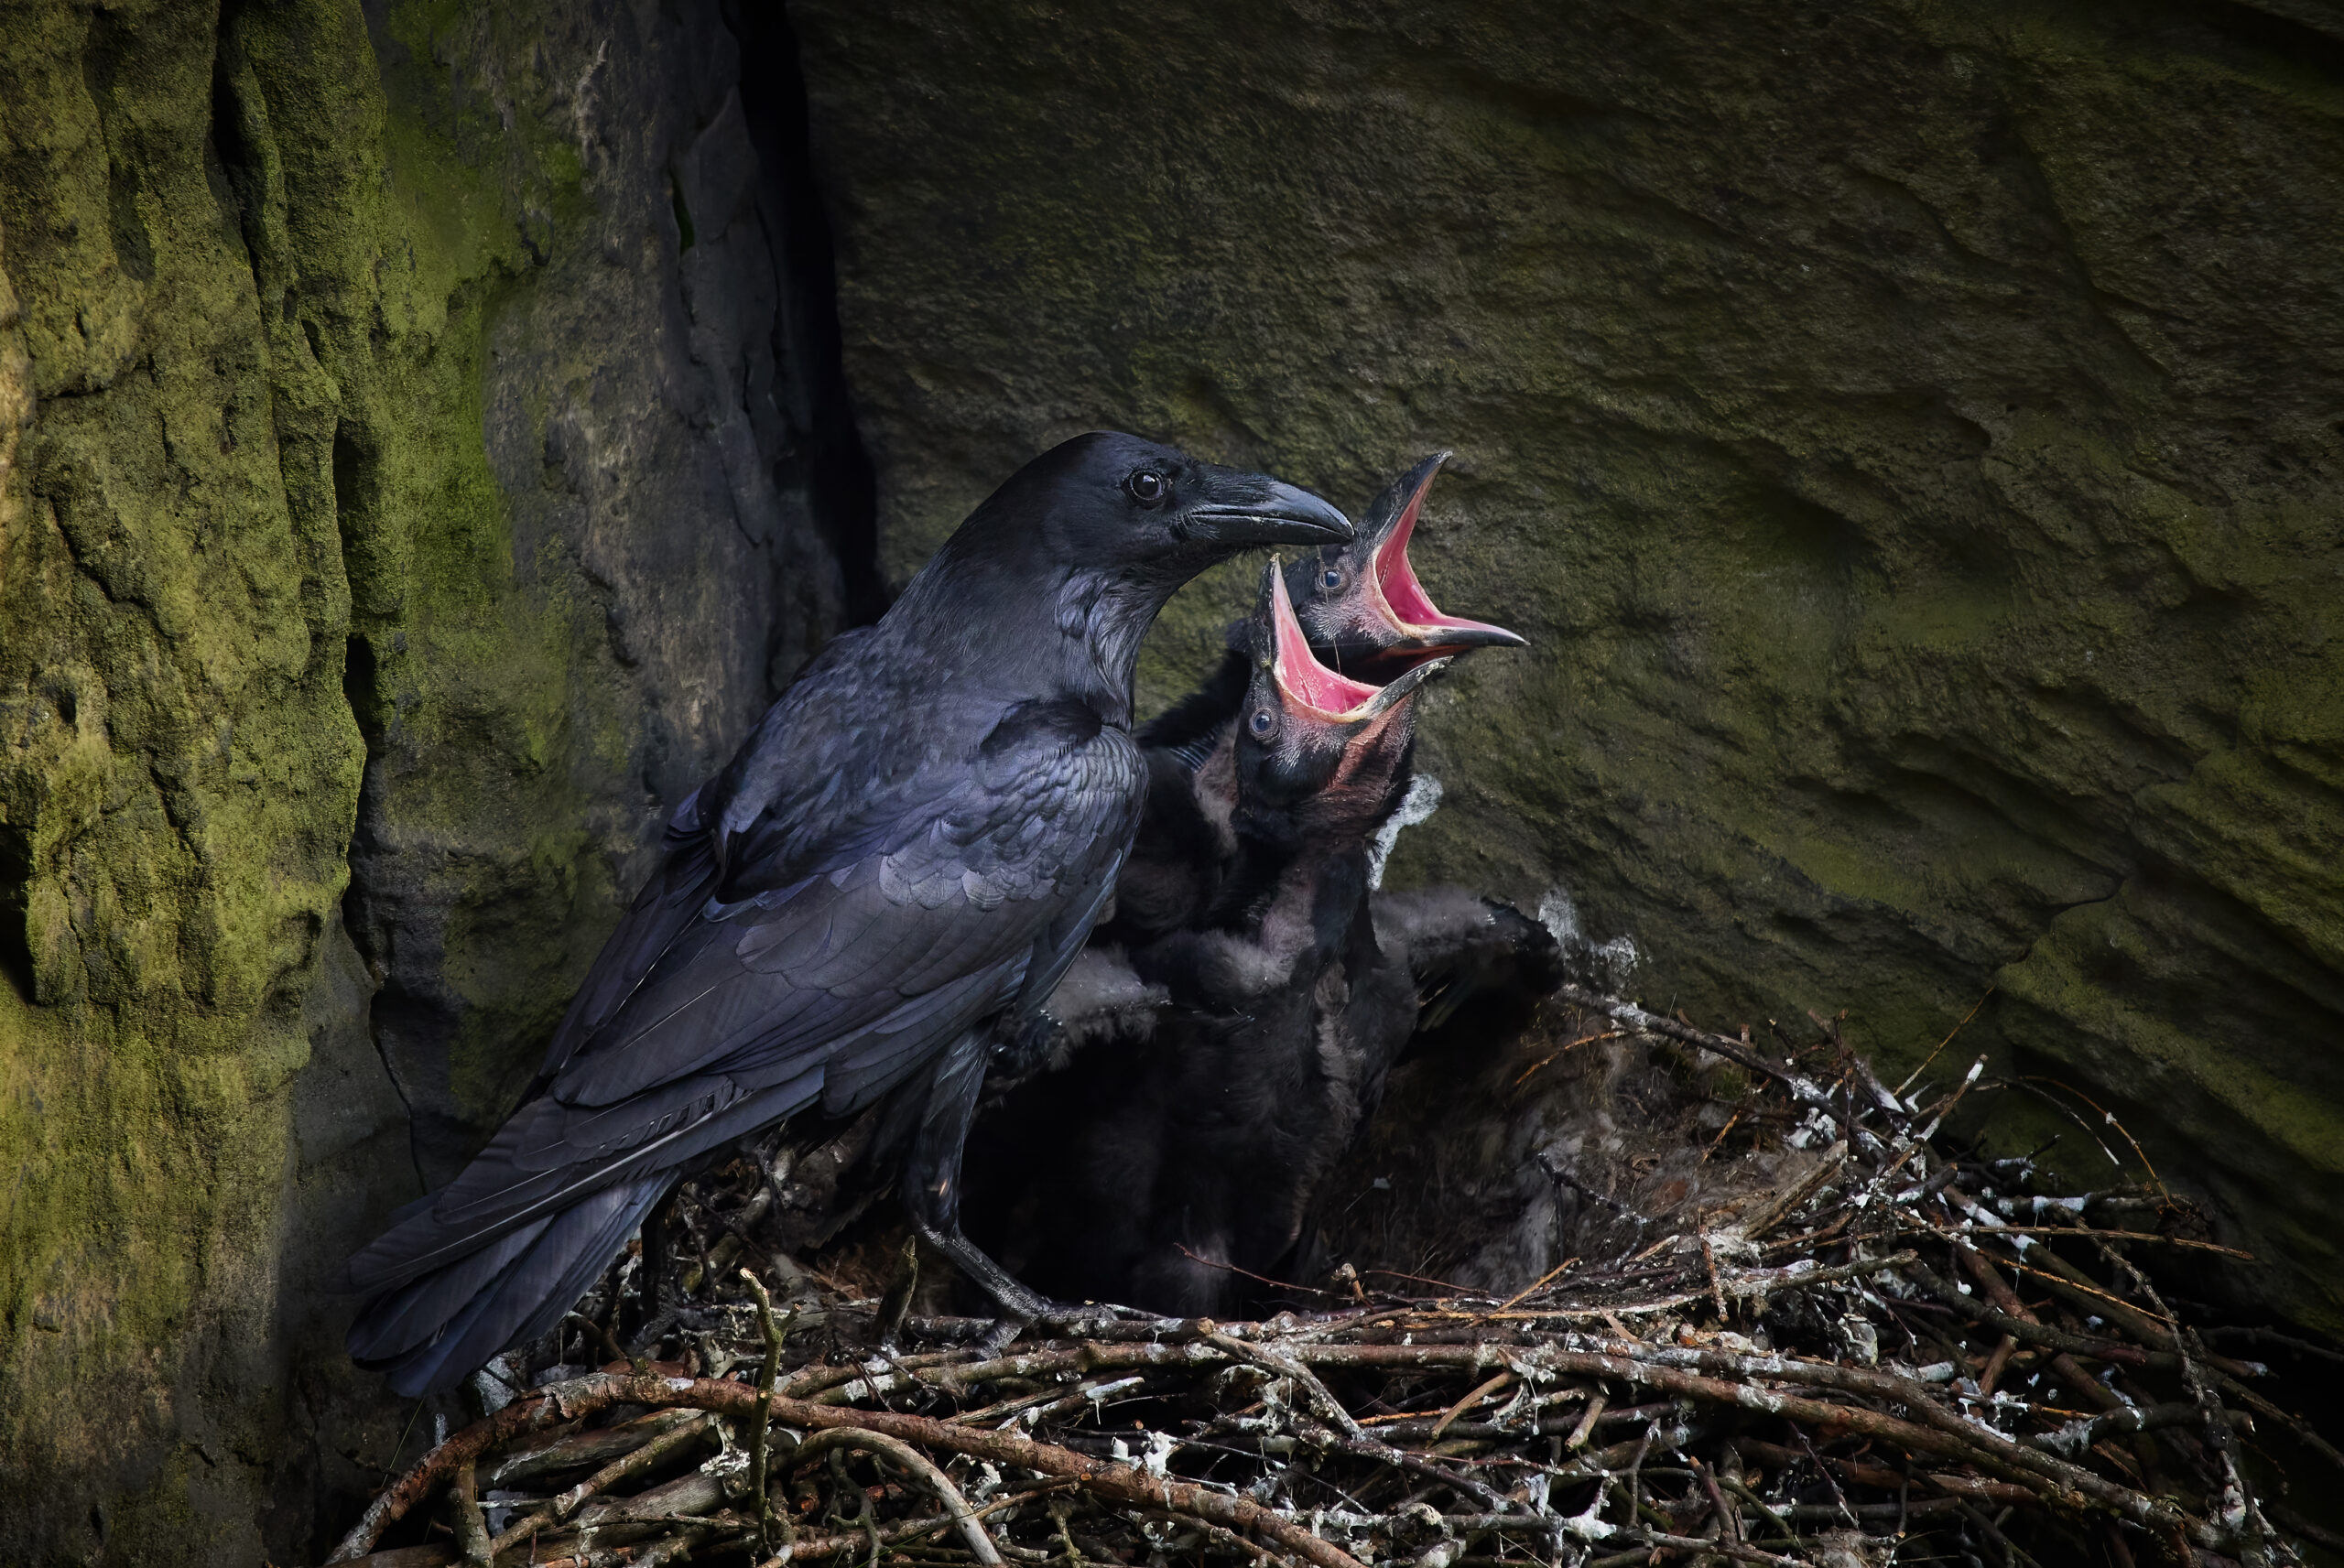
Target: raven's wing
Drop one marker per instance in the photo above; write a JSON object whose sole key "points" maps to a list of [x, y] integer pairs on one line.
{"points": [[803, 740], [834, 985]]}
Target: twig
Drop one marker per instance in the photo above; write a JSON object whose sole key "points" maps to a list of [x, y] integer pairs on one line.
{"points": [[1479, 1392], [600, 1390], [1933, 1055], [611, 1348], [617, 1470], [917, 1464], [1636, 1018], [472, 1530], [775, 1335]]}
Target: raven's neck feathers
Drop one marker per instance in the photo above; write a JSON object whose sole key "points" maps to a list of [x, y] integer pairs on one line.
{"points": [[981, 621]]}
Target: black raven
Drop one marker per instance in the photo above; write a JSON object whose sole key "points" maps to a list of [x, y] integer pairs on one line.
{"points": [[1366, 614], [1148, 1175], [902, 859]]}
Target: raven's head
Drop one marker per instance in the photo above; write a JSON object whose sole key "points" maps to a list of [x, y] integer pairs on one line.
{"points": [[1361, 603], [1317, 752], [1124, 507]]}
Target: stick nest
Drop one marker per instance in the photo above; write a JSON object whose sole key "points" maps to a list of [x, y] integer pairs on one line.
{"points": [[1862, 1345]]}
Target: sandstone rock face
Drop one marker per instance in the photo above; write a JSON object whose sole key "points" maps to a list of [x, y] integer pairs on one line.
{"points": [[404, 500], [1908, 432]]}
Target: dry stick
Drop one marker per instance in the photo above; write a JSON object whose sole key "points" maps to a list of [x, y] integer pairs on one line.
{"points": [[955, 1506], [1348, 1434], [1947, 1434], [1755, 1283], [1717, 1292], [599, 1390], [1998, 1291], [1364, 1447], [2245, 1513], [611, 1348], [1654, 1541], [1766, 1510], [1329, 1406], [1933, 1055], [569, 1450], [1223, 1533], [1729, 1522], [1780, 1208], [2148, 1236], [1586, 1427], [2031, 1332], [2107, 1118], [1450, 1416], [472, 1530], [568, 1502], [1637, 1018], [1887, 1480], [1532, 1288], [774, 1335], [2080, 1288], [1962, 1441]]}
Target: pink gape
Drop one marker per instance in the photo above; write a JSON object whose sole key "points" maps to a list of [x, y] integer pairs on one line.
{"points": [[1402, 597], [1328, 694]]}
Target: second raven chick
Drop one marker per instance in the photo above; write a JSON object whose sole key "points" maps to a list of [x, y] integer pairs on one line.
{"points": [[1163, 1174]]}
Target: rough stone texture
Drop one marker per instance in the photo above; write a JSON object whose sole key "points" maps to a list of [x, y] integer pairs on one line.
{"points": [[1907, 430], [401, 505]]}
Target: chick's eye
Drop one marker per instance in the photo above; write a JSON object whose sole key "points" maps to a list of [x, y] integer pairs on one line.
{"points": [[1263, 721], [1331, 579], [1146, 487]]}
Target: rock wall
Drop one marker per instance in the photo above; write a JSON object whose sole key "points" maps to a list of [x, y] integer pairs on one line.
{"points": [[410, 468], [1907, 431]]}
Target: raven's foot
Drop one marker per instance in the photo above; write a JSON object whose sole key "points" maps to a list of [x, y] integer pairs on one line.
{"points": [[1070, 1321], [1001, 1335], [1096, 1317], [1015, 1299]]}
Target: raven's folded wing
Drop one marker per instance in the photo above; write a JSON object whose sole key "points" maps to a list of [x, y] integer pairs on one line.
{"points": [[836, 985]]}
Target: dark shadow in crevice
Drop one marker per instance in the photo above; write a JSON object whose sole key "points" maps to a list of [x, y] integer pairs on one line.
{"points": [[15, 908], [843, 488]]}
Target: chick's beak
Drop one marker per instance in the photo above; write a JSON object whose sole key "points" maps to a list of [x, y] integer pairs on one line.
{"points": [[1402, 598]]}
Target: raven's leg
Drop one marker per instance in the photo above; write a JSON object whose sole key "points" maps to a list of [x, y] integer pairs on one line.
{"points": [[931, 1187], [931, 1183]]}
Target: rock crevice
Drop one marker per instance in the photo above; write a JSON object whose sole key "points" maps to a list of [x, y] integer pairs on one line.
{"points": [[397, 518]]}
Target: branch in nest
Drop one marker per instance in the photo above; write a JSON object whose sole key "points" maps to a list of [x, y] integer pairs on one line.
{"points": [[1107, 1478]]}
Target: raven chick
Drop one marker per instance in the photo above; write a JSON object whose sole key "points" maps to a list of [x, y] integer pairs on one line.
{"points": [[1159, 1176], [903, 857], [1363, 612]]}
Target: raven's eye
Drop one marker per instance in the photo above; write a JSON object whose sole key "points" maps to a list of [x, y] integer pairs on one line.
{"points": [[1146, 487], [1263, 721], [1331, 579]]}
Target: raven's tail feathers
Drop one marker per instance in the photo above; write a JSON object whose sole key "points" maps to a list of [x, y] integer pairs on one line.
{"points": [[432, 1332]]}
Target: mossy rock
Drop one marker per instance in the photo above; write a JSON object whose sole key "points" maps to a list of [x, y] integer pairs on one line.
{"points": [[387, 487]]}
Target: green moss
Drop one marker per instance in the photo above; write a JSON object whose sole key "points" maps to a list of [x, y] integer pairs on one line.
{"points": [[275, 452]]}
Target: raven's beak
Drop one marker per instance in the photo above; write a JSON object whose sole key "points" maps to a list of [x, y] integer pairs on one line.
{"points": [[1400, 596], [1328, 695], [1260, 511]]}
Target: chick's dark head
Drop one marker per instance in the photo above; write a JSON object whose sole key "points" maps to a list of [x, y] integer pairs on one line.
{"points": [[1361, 603], [1319, 756]]}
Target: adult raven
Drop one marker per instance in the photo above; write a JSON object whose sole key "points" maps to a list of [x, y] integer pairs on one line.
{"points": [[906, 853]]}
